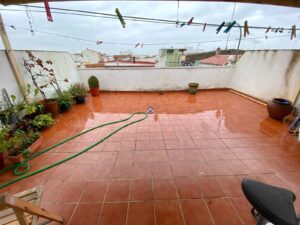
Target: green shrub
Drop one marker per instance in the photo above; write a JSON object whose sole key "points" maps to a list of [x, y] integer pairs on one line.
{"points": [[21, 140], [65, 100], [78, 89], [42, 121], [93, 82], [4, 140]]}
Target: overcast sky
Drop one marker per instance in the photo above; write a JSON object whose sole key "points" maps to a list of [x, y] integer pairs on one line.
{"points": [[136, 32]]}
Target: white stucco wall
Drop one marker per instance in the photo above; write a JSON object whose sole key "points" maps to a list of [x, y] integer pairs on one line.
{"points": [[262, 74], [153, 79], [7, 78], [268, 74], [63, 66]]}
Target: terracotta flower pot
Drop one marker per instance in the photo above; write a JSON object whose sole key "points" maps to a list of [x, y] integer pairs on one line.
{"points": [[95, 91], [35, 145], [51, 106], [32, 149], [279, 108]]}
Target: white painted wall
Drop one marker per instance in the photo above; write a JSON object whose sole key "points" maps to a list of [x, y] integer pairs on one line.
{"points": [[63, 66], [7, 79], [153, 79], [262, 74], [268, 74]]}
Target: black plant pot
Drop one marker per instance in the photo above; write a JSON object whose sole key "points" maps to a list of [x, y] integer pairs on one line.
{"points": [[64, 107], [80, 99]]}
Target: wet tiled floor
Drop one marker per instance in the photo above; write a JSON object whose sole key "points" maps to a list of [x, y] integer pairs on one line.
{"points": [[182, 165]]}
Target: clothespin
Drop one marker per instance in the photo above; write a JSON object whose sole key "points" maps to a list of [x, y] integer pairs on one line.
{"points": [[293, 33], [277, 29], [281, 30], [13, 27], [190, 21], [266, 36], [122, 21], [137, 45], [204, 26], [230, 25], [181, 25], [268, 29], [177, 23], [48, 12], [220, 27], [246, 28], [99, 42], [142, 45]]}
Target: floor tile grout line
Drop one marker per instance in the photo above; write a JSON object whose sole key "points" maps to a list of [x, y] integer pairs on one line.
{"points": [[105, 195], [71, 217], [178, 199], [129, 197], [231, 203], [154, 205], [211, 216]]}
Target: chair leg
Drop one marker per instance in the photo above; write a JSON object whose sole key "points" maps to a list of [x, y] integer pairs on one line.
{"points": [[261, 221]]}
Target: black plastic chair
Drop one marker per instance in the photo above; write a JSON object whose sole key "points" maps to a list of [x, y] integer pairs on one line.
{"points": [[270, 203]]}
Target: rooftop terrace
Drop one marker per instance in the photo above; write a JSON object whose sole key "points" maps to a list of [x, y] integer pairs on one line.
{"points": [[182, 165]]}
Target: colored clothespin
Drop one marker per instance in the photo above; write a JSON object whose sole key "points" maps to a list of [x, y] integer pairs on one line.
{"points": [[137, 45], [293, 33], [246, 28], [204, 26], [99, 42], [281, 30], [48, 12], [268, 29], [181, 25], [220, 27], [266, 36], [13, 27], [277, 29], [142, 45], [177, 23], [122, 21], [230, 25], [190, 21]]}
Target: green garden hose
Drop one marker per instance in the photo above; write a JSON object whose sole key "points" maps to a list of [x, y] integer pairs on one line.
{"points": [[23, 164]]}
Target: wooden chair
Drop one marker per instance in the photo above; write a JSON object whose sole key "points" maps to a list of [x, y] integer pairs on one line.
{"points": [[23, 208]]}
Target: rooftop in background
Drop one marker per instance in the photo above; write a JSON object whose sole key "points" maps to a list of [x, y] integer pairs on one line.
{"points": [[219, 60]]}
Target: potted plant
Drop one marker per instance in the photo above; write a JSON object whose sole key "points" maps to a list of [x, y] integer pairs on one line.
{"points": [[193, 88], [79, 91], [4, 145], [9, 111], [94, 85], [43, 78], [23, 144], [65, 101], [8, 116], [42, 121]]}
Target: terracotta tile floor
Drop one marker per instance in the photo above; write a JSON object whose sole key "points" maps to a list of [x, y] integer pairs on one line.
{"points": [[182, 165]]}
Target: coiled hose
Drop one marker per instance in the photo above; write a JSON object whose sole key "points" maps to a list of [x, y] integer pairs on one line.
{"points": [[25, 165]]}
